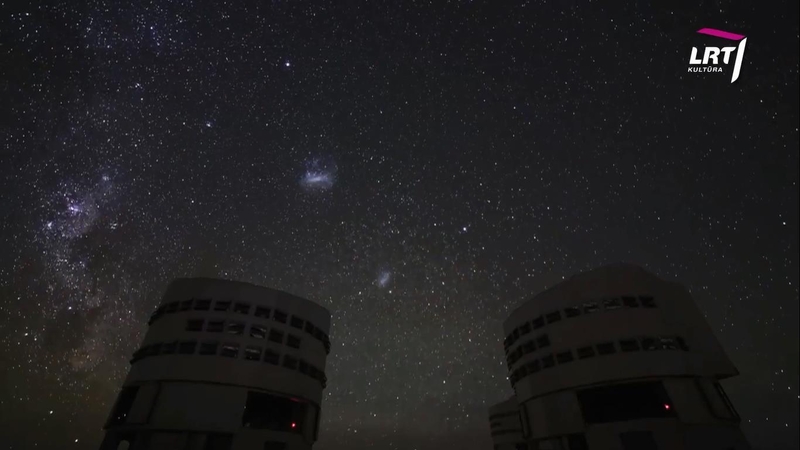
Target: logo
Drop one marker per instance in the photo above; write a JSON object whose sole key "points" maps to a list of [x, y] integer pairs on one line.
{"points": [[713, 58]]}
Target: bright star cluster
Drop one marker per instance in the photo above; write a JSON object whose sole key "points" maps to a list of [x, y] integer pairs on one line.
{"points": [[419, 169]]}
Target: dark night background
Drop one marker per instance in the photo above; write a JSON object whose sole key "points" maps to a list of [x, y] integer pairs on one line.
{"points": [[419, 168]]}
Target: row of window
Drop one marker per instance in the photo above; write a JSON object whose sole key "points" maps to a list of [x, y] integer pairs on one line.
{"points": [[231, 350], [243, 308], [541, 341], [604, 348], [236, 328], [609, 304]]}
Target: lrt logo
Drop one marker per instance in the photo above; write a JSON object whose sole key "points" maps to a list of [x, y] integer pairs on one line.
{"points": [[712, 55]]}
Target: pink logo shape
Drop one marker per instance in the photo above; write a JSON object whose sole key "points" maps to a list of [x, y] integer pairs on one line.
{"points": [[721, 34]]}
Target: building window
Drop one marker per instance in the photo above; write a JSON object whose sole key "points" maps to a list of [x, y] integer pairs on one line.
{"points": [[276, 336], [280, 316], [514, 335], [538, 322], [623, 402], [252, 353], [222, 306], [258, 332], [208, 348], [590, 307], [682, 344], [585, 352], [215, 326], [629, 345], [630, 302], [310, 328], [271, 357], [667, 343], [548, 362], [296, 322], [529, 347], [525, 329], [292, 341], [302, 367], [194, 325], [543, 341], [171, 307], [533, 366], [187, 347], [230, 350], [610, 304], [271, 412], [186, 305], [169, 348], [202, 304], [241, 308], [262, 312], [647, 301], [554, 316], [606, 348], [290, 362], [564, 357], [572, 311], [218, 441], [235, 328]]}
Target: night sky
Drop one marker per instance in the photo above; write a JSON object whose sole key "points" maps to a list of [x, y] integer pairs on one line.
{"points": [[419, 168]]}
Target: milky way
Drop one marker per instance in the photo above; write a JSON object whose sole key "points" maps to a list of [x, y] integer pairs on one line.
{"points": [[418, 169]]}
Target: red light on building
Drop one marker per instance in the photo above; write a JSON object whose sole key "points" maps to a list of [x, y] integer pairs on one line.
{"points": [[294, 425], [666, 406]]}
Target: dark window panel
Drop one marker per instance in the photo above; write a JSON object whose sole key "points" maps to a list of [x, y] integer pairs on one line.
{"points": [[258, 332], [262, 312], [222, 305], [668, 343], [280, 316], [649, 344], [169, 348], [543, 341], [630, 302], [202, 304], [554, 316], [623, 402], [271, 357], [208, 348], [186, 305], [590, 307], [230, 350], [529, 347], [296, 322], [194, 325], [611, 304], [572, 311], [629, 345], [215, 326], [548, 361], [303, 367], [293, 341], [647, 301], [187, 347], [171, 307], [538, 322], [271, 412], [682, 344], [525, 328], [533, 366], [585, 352], [235, 328], [606, 348], [276, 336], [309, 328], [564, 357], [241, 308]]}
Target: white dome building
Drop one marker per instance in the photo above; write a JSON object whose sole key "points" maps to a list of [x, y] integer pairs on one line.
{"points": [[616, 358], [224, 366]]}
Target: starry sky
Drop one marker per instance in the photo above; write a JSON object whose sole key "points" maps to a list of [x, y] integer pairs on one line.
{"points": [[419, 168]]}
